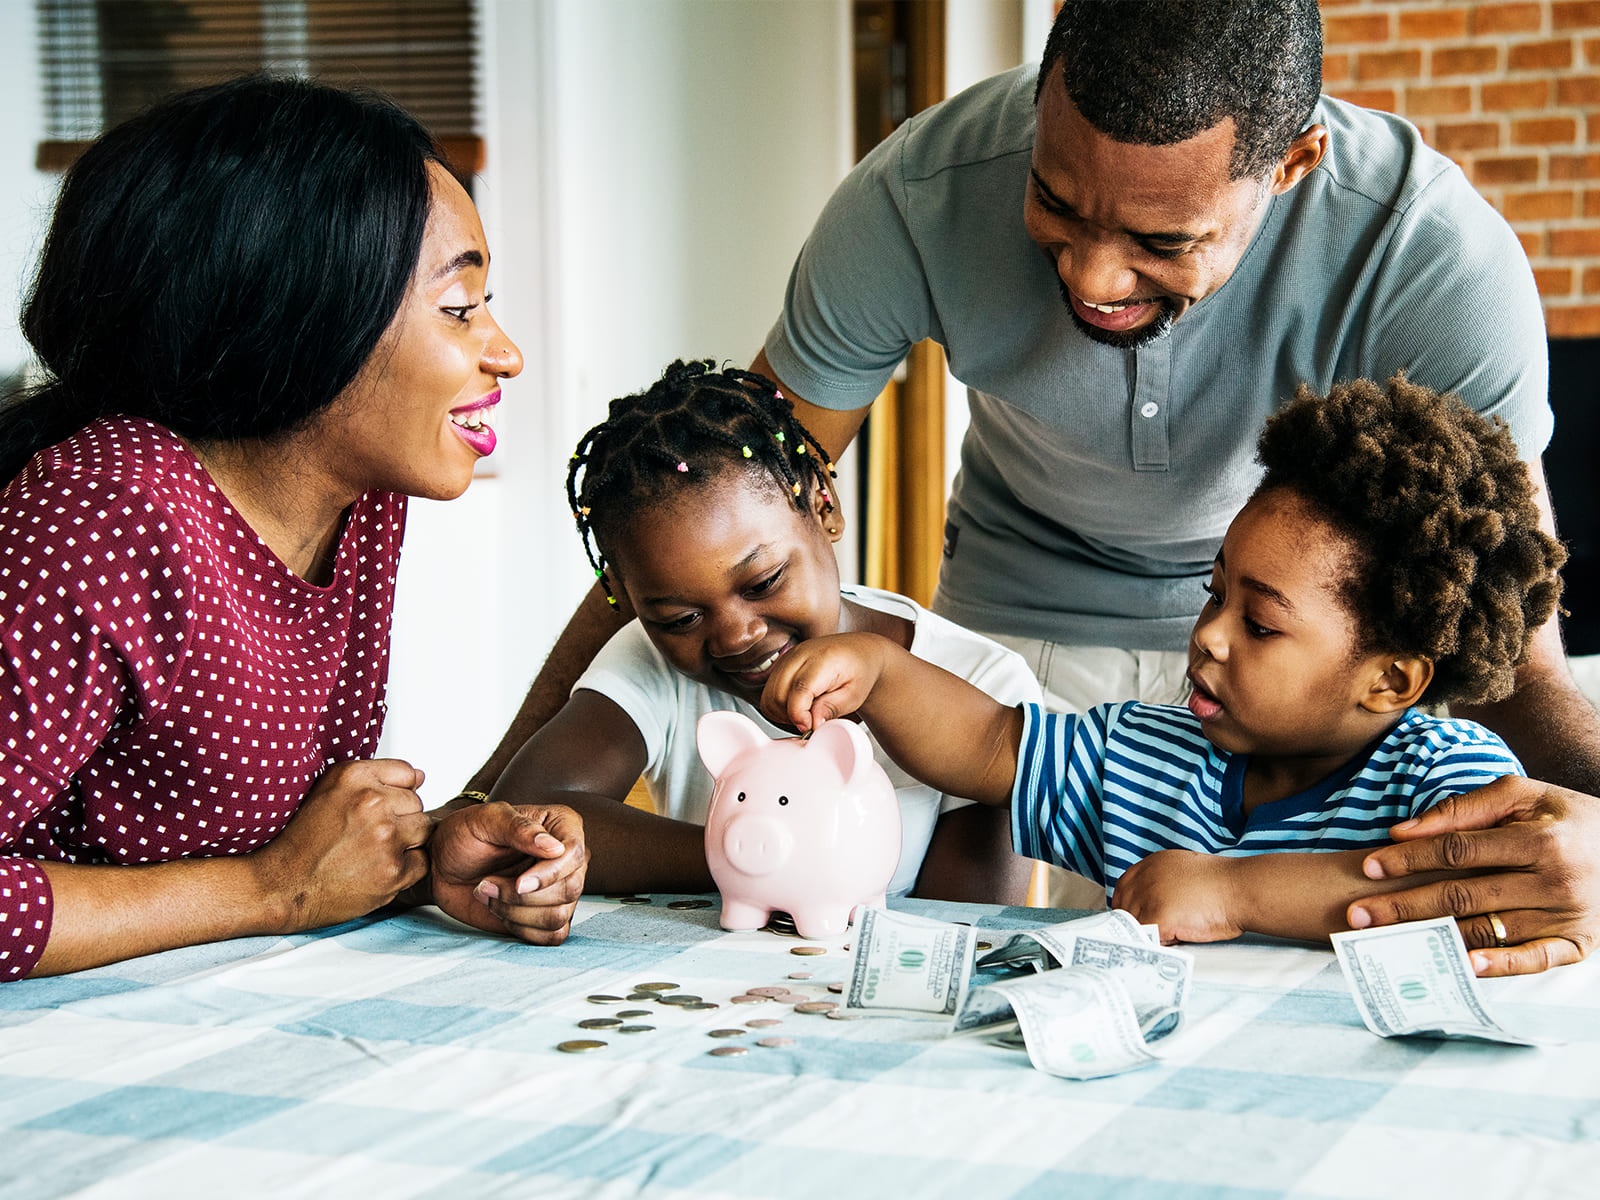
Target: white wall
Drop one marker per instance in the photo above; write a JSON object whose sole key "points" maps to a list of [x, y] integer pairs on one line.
{"points": [[25, 194], [653, 167]]}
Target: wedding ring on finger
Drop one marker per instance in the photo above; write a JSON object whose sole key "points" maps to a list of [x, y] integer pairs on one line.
{"points": [[1499, 927]]}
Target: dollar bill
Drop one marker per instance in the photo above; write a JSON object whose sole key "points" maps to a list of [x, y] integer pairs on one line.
{"points": [[1049, 946], [1156, 978], [1076, 1022], [1416, 980], [909, 966]]}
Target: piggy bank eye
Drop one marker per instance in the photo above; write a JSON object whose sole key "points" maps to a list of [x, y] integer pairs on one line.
{"points": [[783, 799], [741, 797]]}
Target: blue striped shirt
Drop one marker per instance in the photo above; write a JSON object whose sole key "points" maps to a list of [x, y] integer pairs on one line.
{"points": [[1098, 792]]}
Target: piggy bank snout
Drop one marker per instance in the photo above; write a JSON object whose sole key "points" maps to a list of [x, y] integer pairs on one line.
{"points": [[756, 844]]}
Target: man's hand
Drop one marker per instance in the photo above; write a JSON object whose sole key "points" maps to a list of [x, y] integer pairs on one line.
{"points": [[1189, 895], [352, 845], [1533, 851], [512, 869]]}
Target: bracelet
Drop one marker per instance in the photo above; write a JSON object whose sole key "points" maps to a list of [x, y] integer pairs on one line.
{"points": [[475, 797]]}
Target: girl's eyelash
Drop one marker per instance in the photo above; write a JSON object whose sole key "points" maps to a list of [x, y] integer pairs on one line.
{"points": [[767, 584]]}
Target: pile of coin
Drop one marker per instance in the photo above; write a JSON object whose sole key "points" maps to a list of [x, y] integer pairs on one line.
{"points": [[665, 994]]}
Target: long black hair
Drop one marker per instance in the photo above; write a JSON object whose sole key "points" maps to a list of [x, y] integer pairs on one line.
{"points": [[223, 264]]}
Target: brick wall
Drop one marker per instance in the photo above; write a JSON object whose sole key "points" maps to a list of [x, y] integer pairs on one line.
{"points": [[1511, 91]]}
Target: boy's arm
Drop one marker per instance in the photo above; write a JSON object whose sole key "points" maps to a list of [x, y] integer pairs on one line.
{"points": [[936, 725], [1196, 897]]}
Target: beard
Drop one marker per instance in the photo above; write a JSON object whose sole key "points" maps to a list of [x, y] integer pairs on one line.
{"points": [[1127, 339]]}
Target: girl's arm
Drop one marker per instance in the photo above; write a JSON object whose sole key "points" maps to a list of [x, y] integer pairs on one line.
{"points": [[354, 843], [587, 758], [936, 725], [1198, 897], [970, 858]]}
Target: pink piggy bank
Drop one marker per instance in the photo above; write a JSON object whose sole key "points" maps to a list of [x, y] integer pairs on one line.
{"points": [[810, 827]]}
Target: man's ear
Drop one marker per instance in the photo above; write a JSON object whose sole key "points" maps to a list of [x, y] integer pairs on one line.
{"points": [[1302, 157], [825, 508], [1398, 685]]}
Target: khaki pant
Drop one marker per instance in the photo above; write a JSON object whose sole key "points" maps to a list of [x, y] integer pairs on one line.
{"points": [[1076, 678]]}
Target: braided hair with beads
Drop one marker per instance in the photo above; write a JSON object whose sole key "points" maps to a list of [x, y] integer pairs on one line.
{"points": [[690, 426]]}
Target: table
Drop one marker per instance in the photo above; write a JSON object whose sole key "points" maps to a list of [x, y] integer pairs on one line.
{"points": [[411, 1057]]}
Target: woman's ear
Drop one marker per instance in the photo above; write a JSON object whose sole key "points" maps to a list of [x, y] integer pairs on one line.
{"points": [[825, 508], [1398, 685]]}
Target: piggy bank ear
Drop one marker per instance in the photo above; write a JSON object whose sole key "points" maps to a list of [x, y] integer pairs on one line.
{"points": [[723, 736], [845, 743]]}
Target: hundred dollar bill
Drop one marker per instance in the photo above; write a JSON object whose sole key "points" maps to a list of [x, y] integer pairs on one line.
{"points": [[1156, 978], [1416, 980], [909, 966], [1049, 946], [1077, 1022]]}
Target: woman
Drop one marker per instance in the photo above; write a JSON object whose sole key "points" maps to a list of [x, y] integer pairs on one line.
{"points": [[261, 311]]}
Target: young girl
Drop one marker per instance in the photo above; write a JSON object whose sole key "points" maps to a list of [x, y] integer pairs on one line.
{"points": [[1390, 557], [707, 505]]}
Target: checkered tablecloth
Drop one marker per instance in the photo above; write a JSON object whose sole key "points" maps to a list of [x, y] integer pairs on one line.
{"points": [[409, 1057]]}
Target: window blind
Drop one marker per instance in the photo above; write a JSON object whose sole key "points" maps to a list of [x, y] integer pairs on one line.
{"points": [[104, 60]]}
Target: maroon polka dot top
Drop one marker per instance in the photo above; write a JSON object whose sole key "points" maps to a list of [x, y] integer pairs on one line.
{"points": [[169, 688]]}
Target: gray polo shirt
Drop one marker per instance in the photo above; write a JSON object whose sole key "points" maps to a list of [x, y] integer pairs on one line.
{"points": [[1096, 483]]}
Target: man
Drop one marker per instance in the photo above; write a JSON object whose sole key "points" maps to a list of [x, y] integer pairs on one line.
{"points": [[1132, 257]]}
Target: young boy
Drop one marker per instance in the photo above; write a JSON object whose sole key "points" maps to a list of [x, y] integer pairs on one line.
{"points": [[1390, 557]]}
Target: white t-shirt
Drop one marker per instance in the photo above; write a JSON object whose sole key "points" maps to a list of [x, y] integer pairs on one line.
{"points": [[666, 706]]}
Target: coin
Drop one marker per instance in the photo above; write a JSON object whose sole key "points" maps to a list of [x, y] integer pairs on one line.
{"points": [[580, 1047], [792, 998], [634, 1028], [836, 988], [599, 1023], [775, 1041], [698, 1006], [765, 991], [655, 987], [680, 998], [763, 1022], [985, 946], [843, 1014], [602, 998], [808, 951], [749, 998], [730, 1051], [633, 899], [688, 904], [815, 1006], [799, 974], [726, 1033], [636, 1012], [638, 996]]}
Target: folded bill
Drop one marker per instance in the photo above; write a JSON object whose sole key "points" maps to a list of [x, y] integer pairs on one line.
{"points": [[1077, 1022], [909, 966], [1089, 995], [1416, 980]]}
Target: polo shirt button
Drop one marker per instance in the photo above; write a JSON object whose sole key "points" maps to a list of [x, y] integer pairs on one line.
{"points": [[1150, 409]]}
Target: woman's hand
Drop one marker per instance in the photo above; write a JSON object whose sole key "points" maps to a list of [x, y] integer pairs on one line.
{"points": [[353, 845], [823, 678], [511, 869], [1189, 895], [1534, 849]]}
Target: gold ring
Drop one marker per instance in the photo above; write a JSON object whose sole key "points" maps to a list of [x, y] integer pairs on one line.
{"points": [[1499, 927]]}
